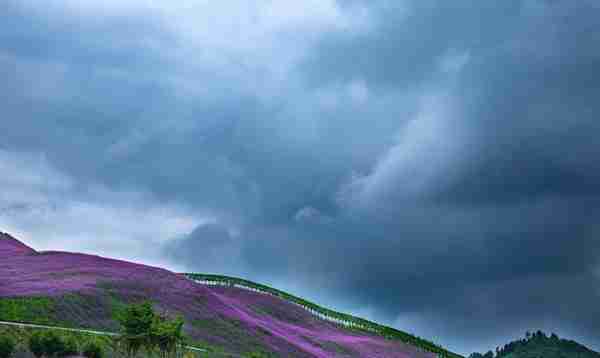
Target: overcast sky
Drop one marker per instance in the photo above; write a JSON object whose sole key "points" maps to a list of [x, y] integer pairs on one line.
{"points": [[429, 164]]}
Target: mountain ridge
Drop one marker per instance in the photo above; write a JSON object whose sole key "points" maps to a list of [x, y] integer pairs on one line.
{"points": [[82, 290]]}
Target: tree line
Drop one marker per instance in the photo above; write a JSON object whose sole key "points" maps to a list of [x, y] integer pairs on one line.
{"points": [[537, 344], [50, 344]]}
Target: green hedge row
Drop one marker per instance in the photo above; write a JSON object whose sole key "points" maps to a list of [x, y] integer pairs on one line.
{"points": [[357, 322]]}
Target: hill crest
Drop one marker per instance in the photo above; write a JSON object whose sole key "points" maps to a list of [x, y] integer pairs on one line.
{"points": [[83, 291]]}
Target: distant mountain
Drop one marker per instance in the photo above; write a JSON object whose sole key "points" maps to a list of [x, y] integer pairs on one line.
{"points": [[540, 345], [84, 291]]}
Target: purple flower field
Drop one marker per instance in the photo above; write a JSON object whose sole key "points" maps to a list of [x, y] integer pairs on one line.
{"points": [[85, 289]]}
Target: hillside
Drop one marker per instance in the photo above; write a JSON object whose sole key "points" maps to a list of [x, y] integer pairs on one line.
{"points": [[78, 290], [540, 345]]}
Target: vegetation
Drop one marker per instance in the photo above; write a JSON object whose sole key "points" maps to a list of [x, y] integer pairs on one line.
{"points": [[342, 318], [28, 309], [7, 347], [257, 355], [93, 349], [143, 329], [36, 344], [85, 291], [52, 344], [538, 345]]}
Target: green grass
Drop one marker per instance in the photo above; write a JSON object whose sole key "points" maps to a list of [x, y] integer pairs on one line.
{"points": [[38, 310]]}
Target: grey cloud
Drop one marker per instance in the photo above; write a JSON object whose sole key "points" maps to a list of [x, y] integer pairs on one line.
{"points": [[436, 164]]}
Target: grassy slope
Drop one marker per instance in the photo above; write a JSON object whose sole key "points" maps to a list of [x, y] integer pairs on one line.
{"points": [[357, 322], [84, 291]]}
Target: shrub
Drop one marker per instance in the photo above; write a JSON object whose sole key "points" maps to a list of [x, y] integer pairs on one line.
{"points": [[93, 349], [36, 344], [50, 344], [53, 344], [7, 347], [69, 348]]}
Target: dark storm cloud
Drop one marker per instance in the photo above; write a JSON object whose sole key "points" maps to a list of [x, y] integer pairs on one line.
{"points": [[500, 232], [435, 169]]}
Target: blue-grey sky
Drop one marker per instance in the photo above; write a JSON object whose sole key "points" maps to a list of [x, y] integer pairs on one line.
{"points": [[429, 164]]}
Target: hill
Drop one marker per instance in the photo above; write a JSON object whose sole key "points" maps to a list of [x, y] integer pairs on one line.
{"points": [[84, 291], [540, 345]]}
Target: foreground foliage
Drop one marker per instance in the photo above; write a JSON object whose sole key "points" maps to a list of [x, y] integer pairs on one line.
{"points": [[93, 349], [7, 347], [53, 343], [143, 328]]}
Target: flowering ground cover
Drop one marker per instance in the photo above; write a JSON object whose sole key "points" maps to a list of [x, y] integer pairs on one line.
{"points": [[85, 290]]}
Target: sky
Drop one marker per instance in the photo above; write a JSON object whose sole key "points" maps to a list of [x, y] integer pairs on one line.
{"points": [[431, 165]]}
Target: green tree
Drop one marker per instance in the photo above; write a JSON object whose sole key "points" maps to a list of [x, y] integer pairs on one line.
{"points": [[167, 335], [136, 323], [93, 349], [53, 344], [36, 344], [7, 347], [142, 328], [69, 348]]}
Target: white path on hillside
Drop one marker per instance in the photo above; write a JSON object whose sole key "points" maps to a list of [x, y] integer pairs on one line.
{"points": [[314, 312], [99, 333]]}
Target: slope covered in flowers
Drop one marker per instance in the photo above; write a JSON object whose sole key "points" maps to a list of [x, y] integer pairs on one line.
{"points": [[85, 290]]}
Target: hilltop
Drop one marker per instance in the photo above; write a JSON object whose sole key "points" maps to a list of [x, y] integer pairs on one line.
{"points": [[538, 345], [84, 291]]}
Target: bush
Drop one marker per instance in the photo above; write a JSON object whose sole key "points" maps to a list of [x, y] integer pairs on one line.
{"points": [[36, 344], [92, 349], [69, 348], [53, 344], [7, 347], [50, 344]]}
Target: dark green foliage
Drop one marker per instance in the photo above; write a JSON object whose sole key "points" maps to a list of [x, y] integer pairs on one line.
{"points": [[93, 349], [167, 335], [26, 309], [7, 347], [538, 345], [27, 338], [36, 344], [69, 347], [142, 328], [136, 323], [51, 344]]}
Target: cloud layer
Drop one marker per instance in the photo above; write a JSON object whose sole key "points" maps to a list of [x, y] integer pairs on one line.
{"points": [[429, 164]]}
